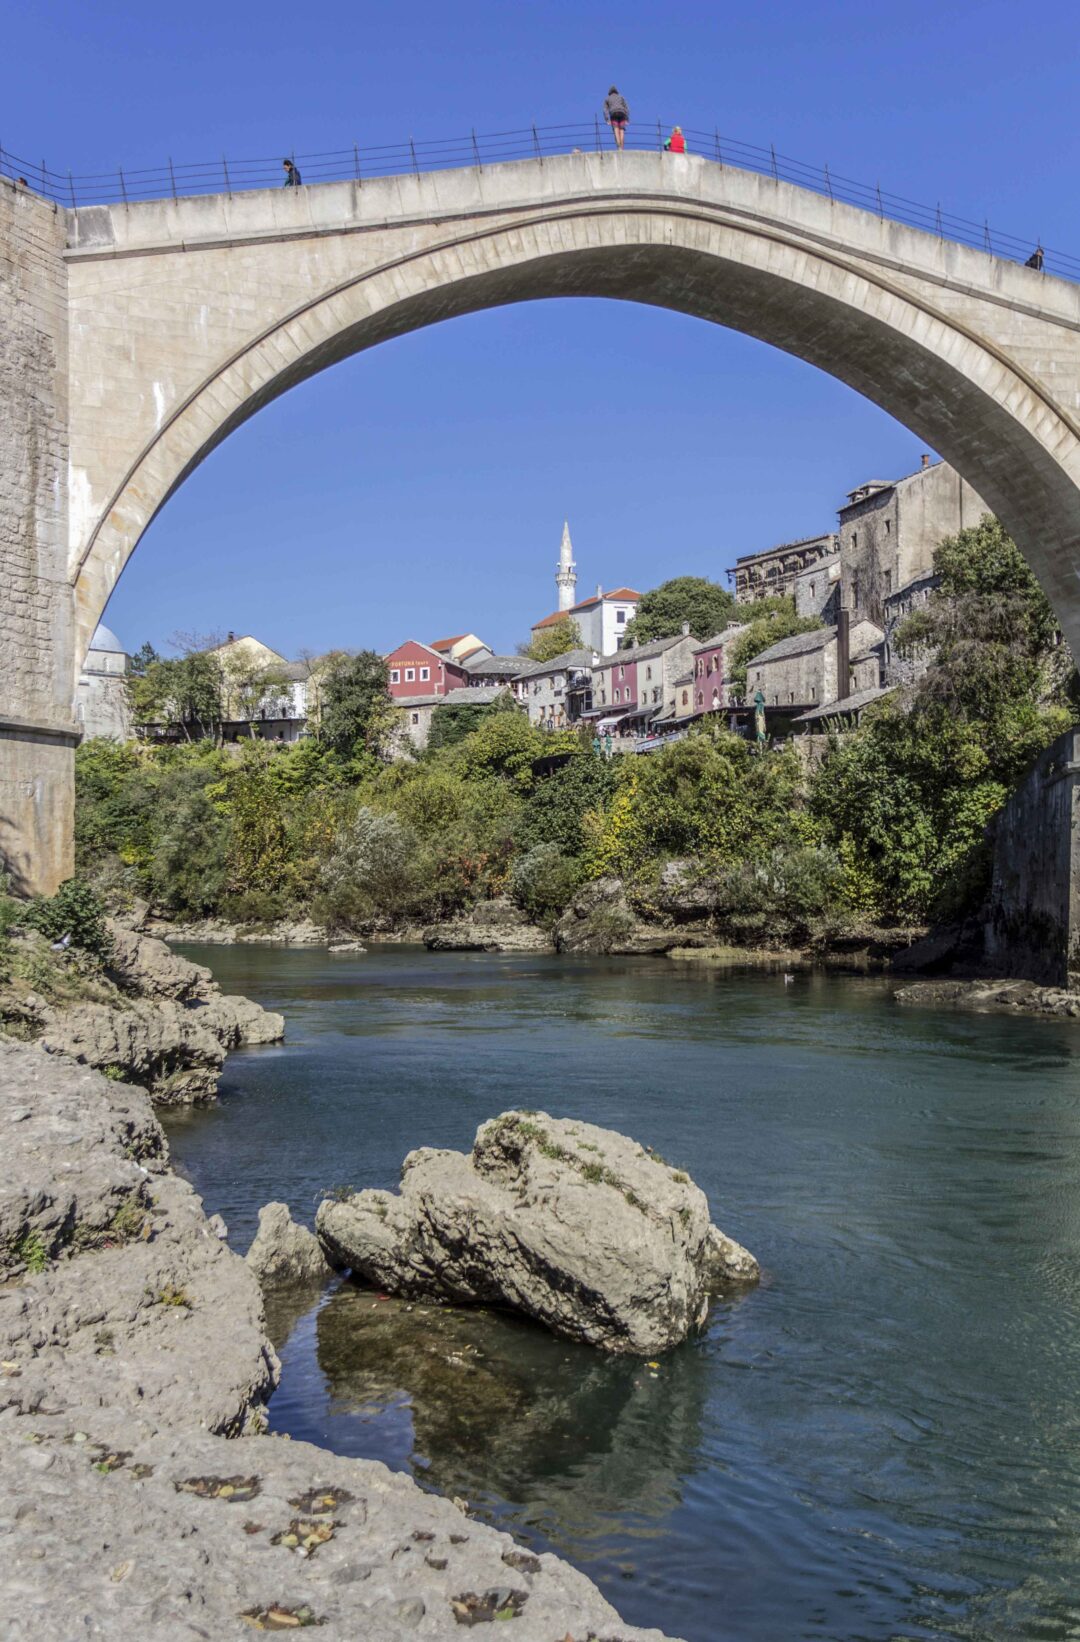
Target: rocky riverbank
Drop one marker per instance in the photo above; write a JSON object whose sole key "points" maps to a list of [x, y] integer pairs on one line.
{"points": [[138, 1501], [983, 996], [142, 1015]]}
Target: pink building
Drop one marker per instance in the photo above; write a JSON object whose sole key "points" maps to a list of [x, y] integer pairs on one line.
{"points": [[415, 669], [712, 666]]}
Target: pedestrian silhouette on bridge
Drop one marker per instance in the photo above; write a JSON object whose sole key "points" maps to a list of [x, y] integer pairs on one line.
{"points": [[1035, 260], [617, 114], [292, 175], [676, 143]]}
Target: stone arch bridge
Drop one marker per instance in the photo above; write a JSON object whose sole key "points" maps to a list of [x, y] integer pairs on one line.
{"points": [[134, 338]]}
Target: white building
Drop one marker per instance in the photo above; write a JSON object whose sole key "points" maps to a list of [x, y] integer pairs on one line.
{"points": [[101, 698], [601, 620]]}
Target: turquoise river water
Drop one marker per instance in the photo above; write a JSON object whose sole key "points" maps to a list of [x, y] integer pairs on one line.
{"points": [[882, 1441]]}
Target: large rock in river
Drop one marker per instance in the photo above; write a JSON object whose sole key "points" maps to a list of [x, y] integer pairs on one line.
{"points": [[284, 1252], [578, 1227]]}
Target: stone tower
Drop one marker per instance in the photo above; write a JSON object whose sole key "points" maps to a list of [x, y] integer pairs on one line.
{"points": [[566, 576]]}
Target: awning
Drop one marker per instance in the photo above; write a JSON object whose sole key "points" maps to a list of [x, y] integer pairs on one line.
{"points": [[611, 719]]}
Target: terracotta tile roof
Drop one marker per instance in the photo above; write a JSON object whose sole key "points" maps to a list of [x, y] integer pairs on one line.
{"points": [[447, 644], [626, 593]]}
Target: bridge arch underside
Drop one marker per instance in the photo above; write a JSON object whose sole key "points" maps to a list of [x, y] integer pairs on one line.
{"points": [[958, 392]]}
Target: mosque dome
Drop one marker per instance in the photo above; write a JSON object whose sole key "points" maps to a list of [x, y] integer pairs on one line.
{"points": [[105, 639]]}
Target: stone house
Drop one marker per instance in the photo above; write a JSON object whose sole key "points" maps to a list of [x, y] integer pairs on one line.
{"points": [[889, 530], [411, 735], [817, 589], [801, 671], [101, 698], [504, 670], [909, 669], [636, 685], [557, 693], [774, 571]]}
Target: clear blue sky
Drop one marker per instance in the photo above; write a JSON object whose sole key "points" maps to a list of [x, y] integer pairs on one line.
{"points": [[420, 489]]}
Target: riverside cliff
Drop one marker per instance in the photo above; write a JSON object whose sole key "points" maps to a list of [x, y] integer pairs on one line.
{"points": [[139, 1500]]}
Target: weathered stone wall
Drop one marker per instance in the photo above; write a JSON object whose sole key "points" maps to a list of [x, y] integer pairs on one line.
{"points": [[36, 649], [887, 541], [1033, 929]]}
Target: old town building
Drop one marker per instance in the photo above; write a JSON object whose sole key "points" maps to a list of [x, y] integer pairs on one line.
{"points": [[636, 685], [415, 669], [712, 687], [556, 693], [890, 529], [773, 572], [801, 671], [101, 698]]}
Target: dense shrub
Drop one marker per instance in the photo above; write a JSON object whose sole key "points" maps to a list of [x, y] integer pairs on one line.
{"points": [[543, 882], [74, 911]]}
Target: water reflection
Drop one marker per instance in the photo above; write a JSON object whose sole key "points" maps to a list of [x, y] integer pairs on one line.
{"points": [[499, 1407]]}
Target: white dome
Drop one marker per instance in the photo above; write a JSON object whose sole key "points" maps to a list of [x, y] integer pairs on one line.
{"points": [[103, 639]]}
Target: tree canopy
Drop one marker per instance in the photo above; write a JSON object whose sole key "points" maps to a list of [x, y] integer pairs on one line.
{"points": [[706, 605], [356, 712], [555, 640]]}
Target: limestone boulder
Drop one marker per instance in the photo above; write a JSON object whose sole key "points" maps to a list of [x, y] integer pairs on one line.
{"points": [[600, 919], [146, 967], [159, 1044], [576, 1226], [236, 1021], [491, 926], [284, 1252]]}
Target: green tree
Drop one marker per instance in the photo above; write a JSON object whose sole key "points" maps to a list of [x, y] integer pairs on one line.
{"points": [[185, 693], [768, 621], [451, 723], [355, 711], [706, 605], [549, 642], [144, 657]]}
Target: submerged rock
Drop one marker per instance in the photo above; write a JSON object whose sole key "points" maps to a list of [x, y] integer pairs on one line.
{"points": [[284, 1252], [491, 926], [576, 1226]]}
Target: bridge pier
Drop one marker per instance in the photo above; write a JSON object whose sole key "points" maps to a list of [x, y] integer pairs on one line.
{"points": [[37, 661]]}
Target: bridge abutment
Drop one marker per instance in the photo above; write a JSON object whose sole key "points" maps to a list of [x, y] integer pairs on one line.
{"points": [[37, 733]]}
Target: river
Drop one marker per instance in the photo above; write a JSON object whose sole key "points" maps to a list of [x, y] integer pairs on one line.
{"points": [[882, 1441]]}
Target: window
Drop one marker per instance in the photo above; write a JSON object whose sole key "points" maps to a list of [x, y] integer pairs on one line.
{"points": [[648, 672], [791, 695], [854, 538], [811, 589], [813, 692], [888, 526], [620, 617], [425, 674], [888, 583], [416, 718], [656, 692], [700, 699], [395, 676], [715, 699], [410, 675], [618, 695], [622, 672], [685, 697]]}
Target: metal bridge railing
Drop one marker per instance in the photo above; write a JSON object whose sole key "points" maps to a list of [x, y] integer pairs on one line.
{"points": [[358, 163]]}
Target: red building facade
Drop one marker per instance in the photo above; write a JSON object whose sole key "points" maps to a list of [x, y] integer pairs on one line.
{"points": [[415, 669]]}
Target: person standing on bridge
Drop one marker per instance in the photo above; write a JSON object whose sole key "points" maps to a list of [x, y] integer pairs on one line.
{"points": [[617, 114], [676, 143], [292, 175]]}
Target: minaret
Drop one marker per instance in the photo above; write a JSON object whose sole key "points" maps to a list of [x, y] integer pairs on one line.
{"points": [[566, 576]]}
